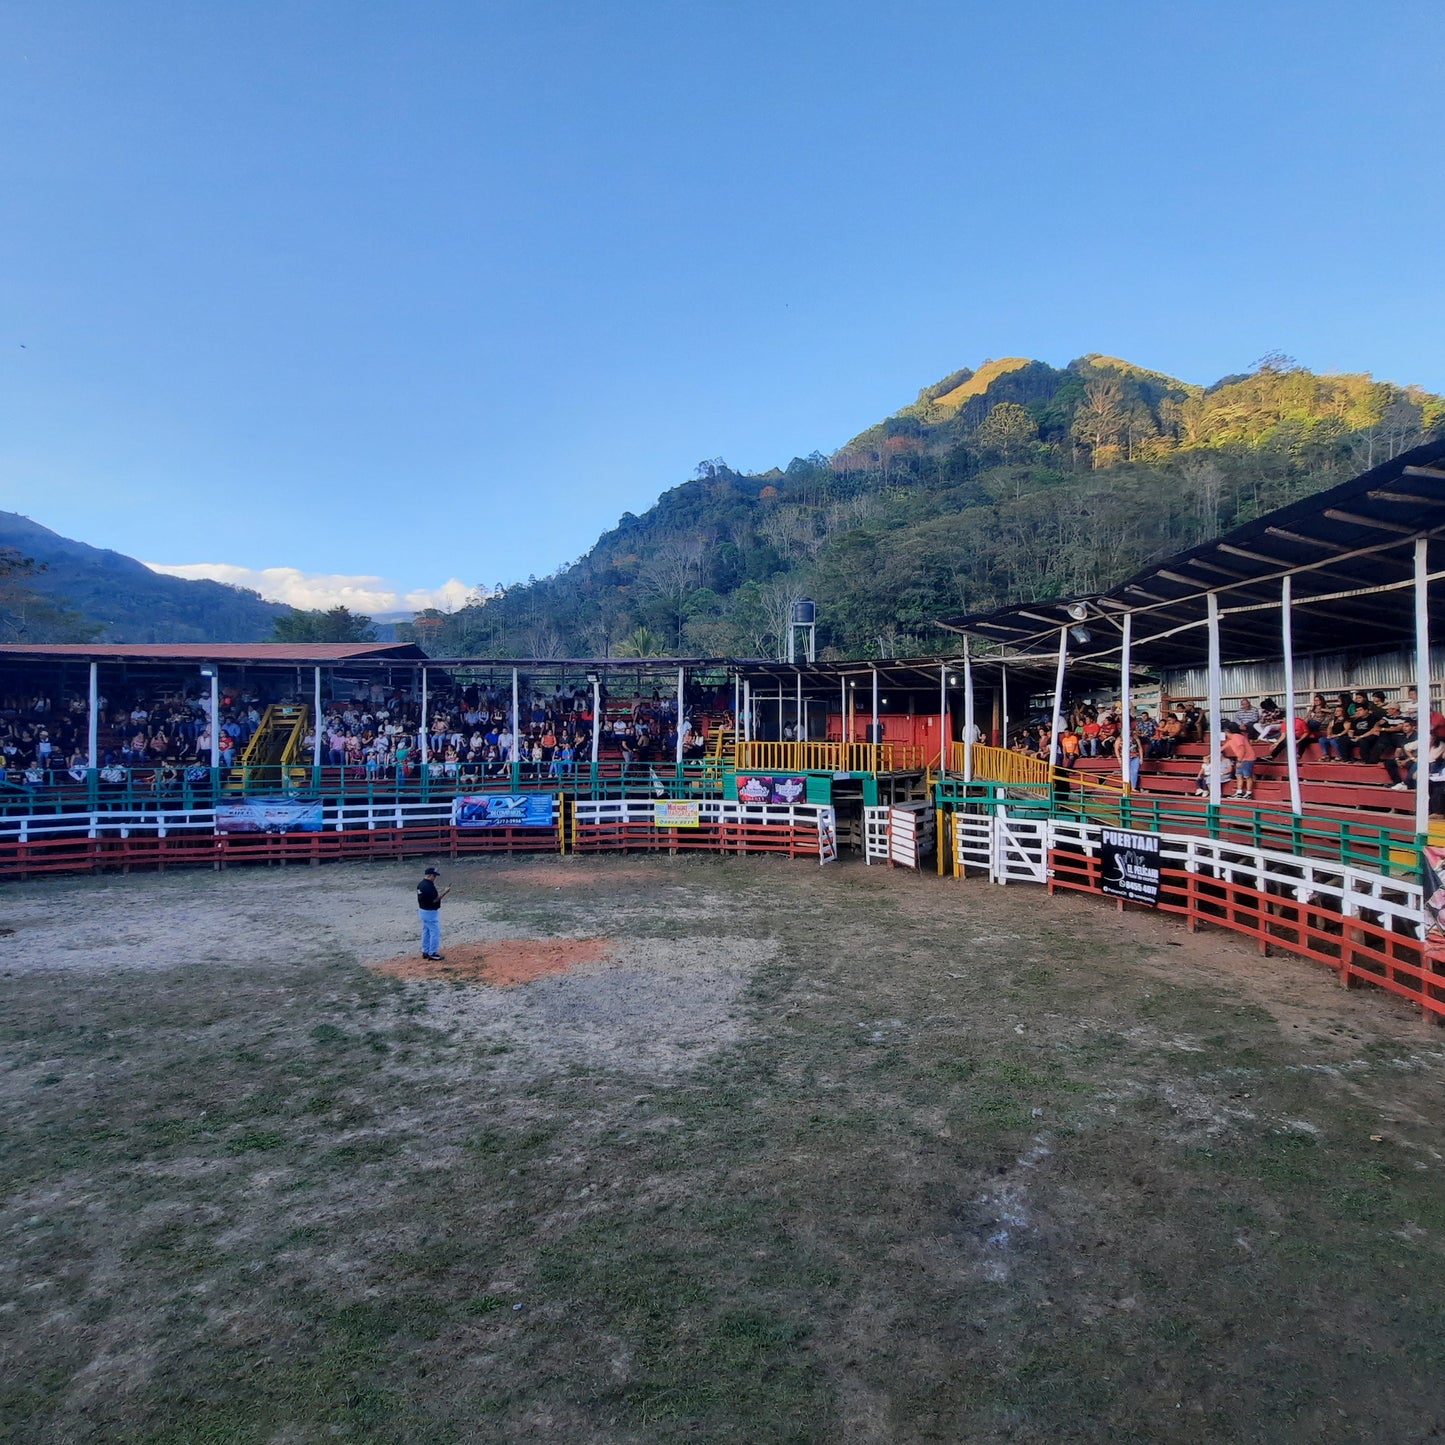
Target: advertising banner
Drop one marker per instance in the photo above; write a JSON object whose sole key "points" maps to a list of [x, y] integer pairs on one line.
{"points": [[503, 810], [772, 790], [1129, 865], [675, 815], [1434, 890], [269, 815]]}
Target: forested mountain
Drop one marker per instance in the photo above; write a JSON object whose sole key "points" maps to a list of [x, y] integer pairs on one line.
{"points": [[82, 593], [1016, 480]]}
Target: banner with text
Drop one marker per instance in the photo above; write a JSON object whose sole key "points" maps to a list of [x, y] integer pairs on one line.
{"points": [[676, 815], [772, 790], [1129, 865], [269, 815], [503, 810]]}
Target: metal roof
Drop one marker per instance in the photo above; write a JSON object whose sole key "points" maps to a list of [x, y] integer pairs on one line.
{"points": [[257, 654], [1349, 553]]}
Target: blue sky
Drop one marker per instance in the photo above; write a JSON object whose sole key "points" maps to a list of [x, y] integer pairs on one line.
{"points": [[435, 292]]}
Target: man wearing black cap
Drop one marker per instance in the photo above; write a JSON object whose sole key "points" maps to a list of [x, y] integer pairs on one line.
{"points": [[428, 907]]}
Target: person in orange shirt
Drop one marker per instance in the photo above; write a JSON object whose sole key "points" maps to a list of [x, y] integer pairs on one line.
{"points": [[1236, 745]]}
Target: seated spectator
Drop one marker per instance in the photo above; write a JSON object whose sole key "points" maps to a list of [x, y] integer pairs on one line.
{"points": [[1271, 721], [1365, 742], [1335, 739], [1246, 716], [1165, 740], [1304, 738]]}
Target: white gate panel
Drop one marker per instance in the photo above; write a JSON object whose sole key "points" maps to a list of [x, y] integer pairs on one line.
{"points": [[1020, 849], [827, 836], [875, 835], [973, 842], [910, 833]]}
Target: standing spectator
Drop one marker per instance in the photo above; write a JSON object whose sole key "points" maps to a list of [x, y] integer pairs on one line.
{"points": [[1238, 747]]}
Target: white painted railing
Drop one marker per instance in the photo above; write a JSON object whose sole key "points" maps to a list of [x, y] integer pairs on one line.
{"points": [[1016, 849]]}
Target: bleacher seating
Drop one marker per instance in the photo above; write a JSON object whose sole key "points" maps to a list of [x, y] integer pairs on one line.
{"points": [[1327, 787]]}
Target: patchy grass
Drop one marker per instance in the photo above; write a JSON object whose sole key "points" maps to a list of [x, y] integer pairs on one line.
{"points": [[946, 1163]]}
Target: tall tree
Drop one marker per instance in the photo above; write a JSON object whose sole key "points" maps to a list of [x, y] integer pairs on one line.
{"points": [[335, 624]]}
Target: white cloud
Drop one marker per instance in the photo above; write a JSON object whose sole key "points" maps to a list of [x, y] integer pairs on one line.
{"points": [[361, 593]]}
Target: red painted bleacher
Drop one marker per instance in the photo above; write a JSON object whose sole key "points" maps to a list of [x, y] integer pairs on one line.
{"points": [[1324, 786]]}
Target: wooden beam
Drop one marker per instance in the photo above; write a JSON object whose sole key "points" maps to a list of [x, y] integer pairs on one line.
{"points": [[1215, 567], [1300, 537], [1356, 520], [1412, 498], [1435, 474]]}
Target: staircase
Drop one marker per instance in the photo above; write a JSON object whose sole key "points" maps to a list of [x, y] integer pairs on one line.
{"points": [[722, 751], [272, 756]]}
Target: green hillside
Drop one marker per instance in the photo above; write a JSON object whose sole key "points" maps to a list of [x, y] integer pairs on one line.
{"points": [[1016, 480]]}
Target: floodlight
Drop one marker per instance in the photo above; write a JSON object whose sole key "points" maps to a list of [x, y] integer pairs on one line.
{"points": [[208, 669], [1078, 611], [1081, 635], [952, 681]]}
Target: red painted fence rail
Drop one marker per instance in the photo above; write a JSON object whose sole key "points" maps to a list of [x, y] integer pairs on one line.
{"points": [[1359, 949]]}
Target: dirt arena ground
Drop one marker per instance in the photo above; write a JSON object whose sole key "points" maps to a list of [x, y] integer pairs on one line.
{"points": [[699, 1150]]}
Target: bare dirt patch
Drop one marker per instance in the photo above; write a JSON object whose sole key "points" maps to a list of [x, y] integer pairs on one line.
{"points": [[581, 873], [503, 962]]}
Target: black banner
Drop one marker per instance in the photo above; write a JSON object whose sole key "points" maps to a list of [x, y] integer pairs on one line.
{"points": [[1129, 865]]}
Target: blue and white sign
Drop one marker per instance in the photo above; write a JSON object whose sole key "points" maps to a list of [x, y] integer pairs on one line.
{"points": [[503, 810]]}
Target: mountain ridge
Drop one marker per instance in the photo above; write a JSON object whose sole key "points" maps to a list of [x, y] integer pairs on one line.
{"points": [[124, 600], [1011, 480]]}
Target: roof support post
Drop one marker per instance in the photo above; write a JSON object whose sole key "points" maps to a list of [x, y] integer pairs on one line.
{"points": [[422, 731], [596, 721], [747, 717], [943, 719], [93, 727], [316, 725], [1286, 627], [680, 706], [1003, 705], [1056, 724], [1216, 727], [1125, 740], [1423, 706], [968, 728], [873, 733], [798, 729], [515, 760]]}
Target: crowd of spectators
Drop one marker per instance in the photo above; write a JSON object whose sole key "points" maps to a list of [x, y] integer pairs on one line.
{"points": [[378, 733], [1354, 727]]}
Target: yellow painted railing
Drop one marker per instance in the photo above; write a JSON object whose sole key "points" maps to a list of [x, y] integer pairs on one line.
{"points": [[1000, 765], [830, 757], [1003, 765]]}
